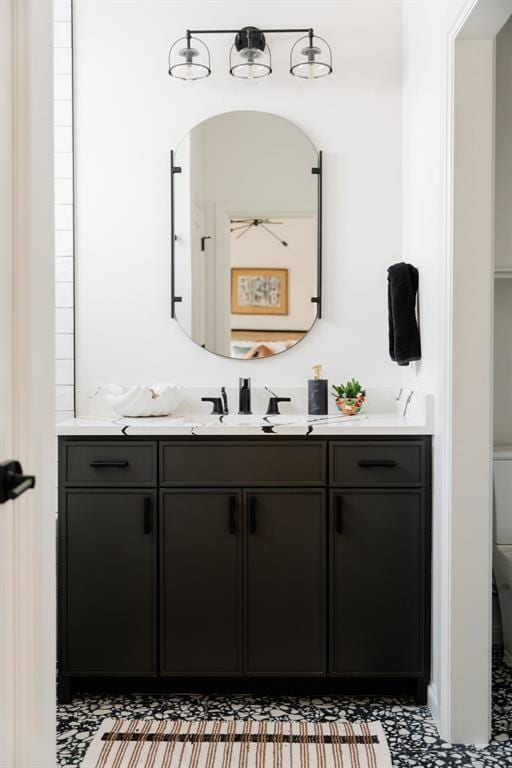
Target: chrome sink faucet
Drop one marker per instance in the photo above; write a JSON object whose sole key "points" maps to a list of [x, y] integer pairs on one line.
{"points": [[244, 396]]}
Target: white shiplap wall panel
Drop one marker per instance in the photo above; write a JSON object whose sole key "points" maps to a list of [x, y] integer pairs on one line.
{"points": [[63, 127]]}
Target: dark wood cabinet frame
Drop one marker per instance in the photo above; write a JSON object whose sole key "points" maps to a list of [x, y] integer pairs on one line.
{"points": [[387, 464]]}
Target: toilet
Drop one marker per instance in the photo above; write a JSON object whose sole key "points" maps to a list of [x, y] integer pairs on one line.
{"points": [[502, 533]]}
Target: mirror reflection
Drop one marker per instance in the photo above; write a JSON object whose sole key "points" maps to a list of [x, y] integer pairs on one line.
{"points": [[246, 207]]}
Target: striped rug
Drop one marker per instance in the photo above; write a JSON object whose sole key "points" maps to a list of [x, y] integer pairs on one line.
{"points": [[237, 744]]}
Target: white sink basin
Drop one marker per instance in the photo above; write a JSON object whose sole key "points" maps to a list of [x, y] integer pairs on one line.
{"points": [[262, 420], [236, 420], [240, 420], [290, 418]]}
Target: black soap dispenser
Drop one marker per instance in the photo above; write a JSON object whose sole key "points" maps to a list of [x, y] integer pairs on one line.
{"points": [[317, 393]]}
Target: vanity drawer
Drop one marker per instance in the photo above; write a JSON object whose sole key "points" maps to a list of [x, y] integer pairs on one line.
{"points": [[377, 463], [109, 464], [238, 463]]}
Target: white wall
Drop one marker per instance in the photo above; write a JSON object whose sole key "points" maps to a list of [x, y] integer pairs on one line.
{"points": [[448, 162], [472, 315], [425, 135], [129, 113]]}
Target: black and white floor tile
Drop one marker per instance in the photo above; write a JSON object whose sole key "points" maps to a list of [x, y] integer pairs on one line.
{"points": [[411, 733]]}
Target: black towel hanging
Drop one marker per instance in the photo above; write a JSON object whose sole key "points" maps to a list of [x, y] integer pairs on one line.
{"points": [[404, 334]]}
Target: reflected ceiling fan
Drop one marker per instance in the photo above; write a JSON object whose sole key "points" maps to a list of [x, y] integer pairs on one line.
{"points": [[246, 224]]}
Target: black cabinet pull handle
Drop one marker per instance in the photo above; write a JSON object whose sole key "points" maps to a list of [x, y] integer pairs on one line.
{"points": [[252, 514], [109, 464], [232, 514], [147, 515], [339, 514], [377, 463]]}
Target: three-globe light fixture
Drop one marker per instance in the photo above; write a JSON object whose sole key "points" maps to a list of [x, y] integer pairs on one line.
{"points": [[249, 56]]}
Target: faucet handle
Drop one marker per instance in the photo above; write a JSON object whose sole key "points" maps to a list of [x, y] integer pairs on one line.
{"points": [[218, 408], [273, 405]]}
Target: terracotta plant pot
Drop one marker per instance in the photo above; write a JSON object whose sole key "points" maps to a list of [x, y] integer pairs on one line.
{"points": [[350, 406]]}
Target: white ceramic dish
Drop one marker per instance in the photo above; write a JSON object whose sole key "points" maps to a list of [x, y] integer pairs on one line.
{"points": [[142, 400]]}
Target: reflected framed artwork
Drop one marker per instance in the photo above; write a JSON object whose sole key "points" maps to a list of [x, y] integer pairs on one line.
{"points": [[259, 291]]}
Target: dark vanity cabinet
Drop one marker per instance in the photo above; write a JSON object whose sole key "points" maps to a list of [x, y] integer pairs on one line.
{"points": [[264, 563], [285, 582], [201, 582], [241, 576], [377, 576], [109, 570]]}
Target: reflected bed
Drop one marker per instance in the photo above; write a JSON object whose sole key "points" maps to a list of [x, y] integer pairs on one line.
{"points": [[248, 344]]}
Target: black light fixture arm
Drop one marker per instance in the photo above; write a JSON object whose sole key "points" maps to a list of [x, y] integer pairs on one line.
{"points": [[191, 32]]}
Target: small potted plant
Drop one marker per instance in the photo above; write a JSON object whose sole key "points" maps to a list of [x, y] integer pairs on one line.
{"points": [[349, 397]]}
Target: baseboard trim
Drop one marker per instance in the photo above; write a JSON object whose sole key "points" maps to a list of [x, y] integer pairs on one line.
{"points": [[433, 702]]}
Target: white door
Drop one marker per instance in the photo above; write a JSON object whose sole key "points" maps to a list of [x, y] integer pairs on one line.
{"points": [[27, 433]]}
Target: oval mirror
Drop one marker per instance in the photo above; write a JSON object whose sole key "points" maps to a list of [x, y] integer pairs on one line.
{"points": [[245, 262]]}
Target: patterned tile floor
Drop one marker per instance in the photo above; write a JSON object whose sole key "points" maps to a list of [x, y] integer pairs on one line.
{"points": [[411, 733]]}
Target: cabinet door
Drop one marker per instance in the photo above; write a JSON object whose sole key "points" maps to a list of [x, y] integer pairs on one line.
{"points": [[200, 582], [285, 609], [377, 594], [109, 603]]}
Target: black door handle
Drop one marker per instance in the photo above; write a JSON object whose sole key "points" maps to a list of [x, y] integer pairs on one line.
{"points": [[232, 514], [147, 515], [252, 514], [109, 464], [377, 463], [12, 481], [339, 514]]}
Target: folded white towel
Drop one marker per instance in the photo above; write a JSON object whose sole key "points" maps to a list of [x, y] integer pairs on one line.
{"points": [[142, 400]]}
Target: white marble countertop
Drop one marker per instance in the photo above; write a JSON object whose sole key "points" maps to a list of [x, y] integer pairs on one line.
{"points": [[385, 413], [264, 425]]}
